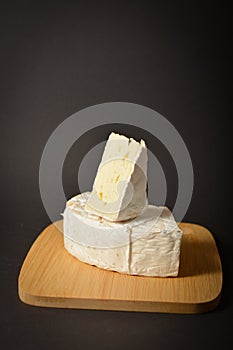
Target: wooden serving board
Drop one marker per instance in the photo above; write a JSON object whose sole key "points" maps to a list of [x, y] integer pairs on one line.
{"points": [[51, 277]]}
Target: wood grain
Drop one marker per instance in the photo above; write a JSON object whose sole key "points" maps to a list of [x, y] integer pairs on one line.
{"points": [[51, 277]]}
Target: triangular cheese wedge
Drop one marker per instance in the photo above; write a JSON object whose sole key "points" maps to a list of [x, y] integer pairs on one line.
{"points": [[120, 188]]}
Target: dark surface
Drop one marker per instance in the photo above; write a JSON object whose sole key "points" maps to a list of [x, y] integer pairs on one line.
{"points": [[61, 57]]}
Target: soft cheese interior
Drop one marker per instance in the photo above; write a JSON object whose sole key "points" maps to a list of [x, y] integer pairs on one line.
{"points": [[148, 245], [119, 189]]}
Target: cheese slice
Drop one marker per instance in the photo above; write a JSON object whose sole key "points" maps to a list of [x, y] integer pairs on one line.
{"points": [[120, 188], [148, 245]]}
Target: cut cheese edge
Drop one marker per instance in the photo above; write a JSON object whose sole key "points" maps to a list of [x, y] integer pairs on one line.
{"points": [[120, 188], [148, 245]]}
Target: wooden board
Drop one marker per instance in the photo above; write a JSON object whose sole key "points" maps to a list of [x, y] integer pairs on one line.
{"points": [[51, 277]]}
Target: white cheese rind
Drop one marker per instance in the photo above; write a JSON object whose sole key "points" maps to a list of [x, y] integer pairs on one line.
{"points": [[148, 245], [119, 189]]}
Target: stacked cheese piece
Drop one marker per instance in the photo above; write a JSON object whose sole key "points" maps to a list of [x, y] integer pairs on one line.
{"points": [[113, 227]]}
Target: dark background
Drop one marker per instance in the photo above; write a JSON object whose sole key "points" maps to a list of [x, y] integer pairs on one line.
{"points": [[58, 58]]}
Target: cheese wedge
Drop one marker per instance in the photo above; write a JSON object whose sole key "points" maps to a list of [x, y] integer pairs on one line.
{"points": [[148, 245], [120, 188]]}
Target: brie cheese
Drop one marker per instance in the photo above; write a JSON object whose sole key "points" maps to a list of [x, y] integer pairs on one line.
{"points": [[148, 245], [119, 189]]}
